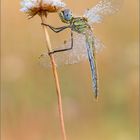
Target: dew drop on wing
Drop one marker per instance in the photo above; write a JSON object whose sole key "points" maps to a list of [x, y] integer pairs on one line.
{"points": [[103, 8], [76, 55], [73, 56]]}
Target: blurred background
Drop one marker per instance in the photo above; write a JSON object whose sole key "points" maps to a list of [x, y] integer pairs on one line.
{"points": [[28, 99]]}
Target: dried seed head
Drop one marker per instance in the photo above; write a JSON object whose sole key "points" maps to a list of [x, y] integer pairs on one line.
{"points": [[33, 7]]}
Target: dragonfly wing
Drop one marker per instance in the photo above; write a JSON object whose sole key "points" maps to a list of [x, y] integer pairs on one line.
{"points": [[98, 44], [75, 55], [104, 7], [92, 61]]}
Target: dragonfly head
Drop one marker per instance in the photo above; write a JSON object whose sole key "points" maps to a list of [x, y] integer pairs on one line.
{"points": [[66, 15]]}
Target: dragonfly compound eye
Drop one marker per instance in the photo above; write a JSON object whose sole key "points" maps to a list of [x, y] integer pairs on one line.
{"points": [[67, 14]]}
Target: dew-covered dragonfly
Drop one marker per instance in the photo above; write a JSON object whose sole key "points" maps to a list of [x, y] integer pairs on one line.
{"points": [[83, 43]]}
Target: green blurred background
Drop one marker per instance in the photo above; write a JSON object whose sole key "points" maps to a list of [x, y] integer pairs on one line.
{"points": [[29, 101]]}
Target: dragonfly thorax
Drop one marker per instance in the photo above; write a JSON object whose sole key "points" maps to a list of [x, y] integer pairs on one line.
{"points": [[80, 24]]}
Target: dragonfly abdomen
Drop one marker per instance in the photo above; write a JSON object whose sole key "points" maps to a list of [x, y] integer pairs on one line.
{"points": [[89, 45]]}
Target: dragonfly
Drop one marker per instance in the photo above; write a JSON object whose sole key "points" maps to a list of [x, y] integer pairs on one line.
{"points": [[83, 44]]}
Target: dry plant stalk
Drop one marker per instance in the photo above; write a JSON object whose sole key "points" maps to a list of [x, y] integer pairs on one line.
{"points": [[42, 8], [55, 73]]}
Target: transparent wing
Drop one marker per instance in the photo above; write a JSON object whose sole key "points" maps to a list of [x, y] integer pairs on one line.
{"points": [[76, 55], [98, 44], [104, 7]]}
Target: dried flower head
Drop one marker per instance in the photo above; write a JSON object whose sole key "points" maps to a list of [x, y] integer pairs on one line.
{"points": [[33, 7]]}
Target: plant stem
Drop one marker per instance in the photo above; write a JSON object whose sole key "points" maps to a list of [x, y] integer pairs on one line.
{"points": [[55, 73]]}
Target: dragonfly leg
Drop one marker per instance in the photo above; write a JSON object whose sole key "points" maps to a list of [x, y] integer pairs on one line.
{"points": [[56, 30], [32, 15], [66, 49]]}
